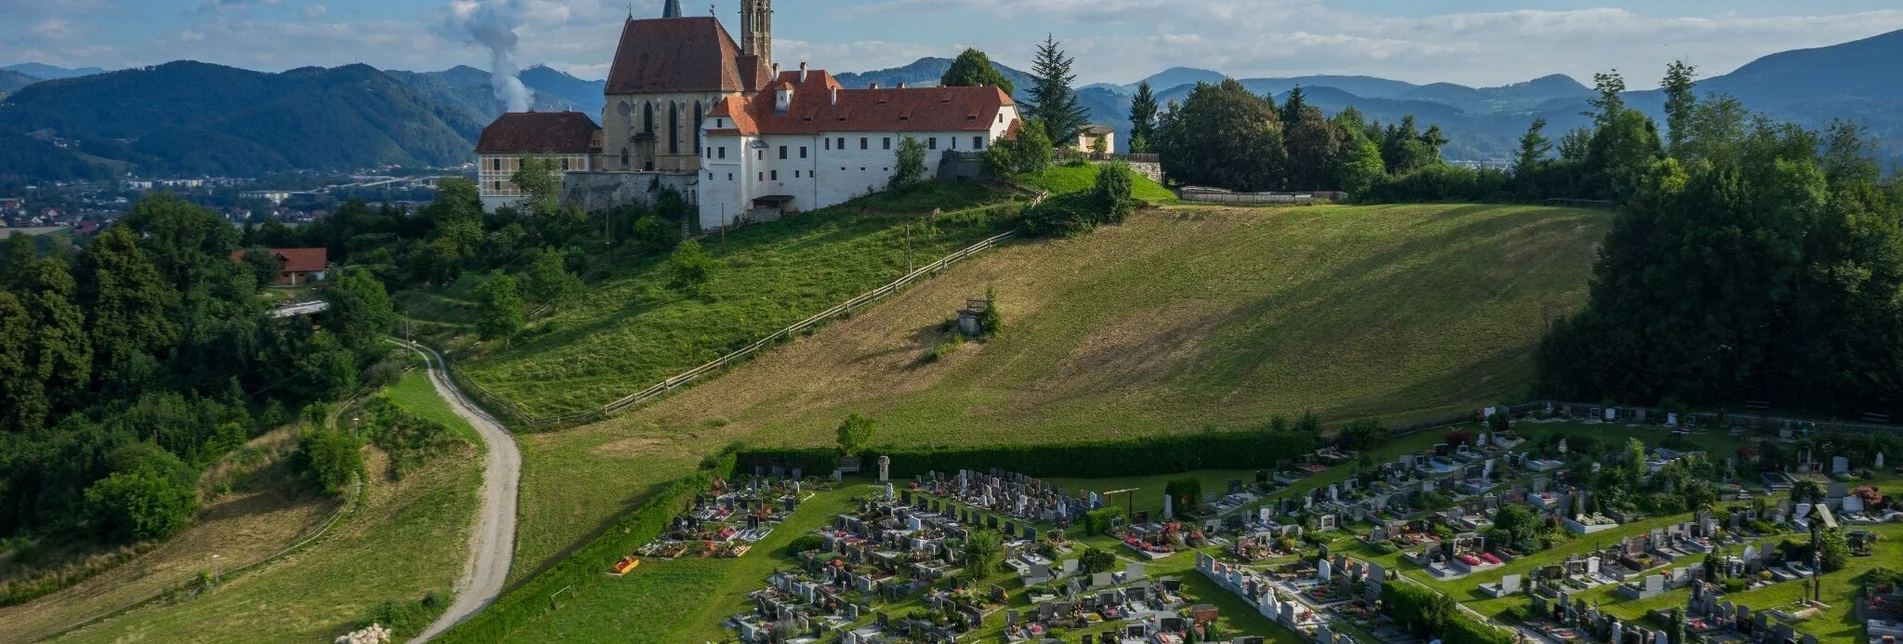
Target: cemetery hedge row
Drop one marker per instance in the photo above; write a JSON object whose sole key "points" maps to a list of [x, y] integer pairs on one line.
{"points": [[585, 566], [1139, 456], [1430, 614]]}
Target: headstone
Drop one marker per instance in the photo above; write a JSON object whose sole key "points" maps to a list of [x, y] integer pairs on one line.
{"points": [[1510, 584], [1322, 571], [885, 468], [1167, 513], [1879, 461], [1839, 464]]}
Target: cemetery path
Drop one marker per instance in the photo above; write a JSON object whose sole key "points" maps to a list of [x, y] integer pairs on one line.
{"points": [[492, 543]]}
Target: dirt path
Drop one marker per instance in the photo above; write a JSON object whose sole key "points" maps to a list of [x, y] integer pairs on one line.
{"points": [[492, 543]]}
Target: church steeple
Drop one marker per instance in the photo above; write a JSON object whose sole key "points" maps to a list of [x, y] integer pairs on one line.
{"points": [[756, 30], [672, 9]]}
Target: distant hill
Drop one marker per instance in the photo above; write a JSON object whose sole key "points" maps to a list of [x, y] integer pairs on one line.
{"points": [[11, 81], [1175, 77], [467, 90], [584, 95], [24, 159], [48, 72], [198, 118], [926, 71]]}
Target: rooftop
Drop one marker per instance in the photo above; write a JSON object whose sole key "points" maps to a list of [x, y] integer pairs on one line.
{"points": [[547, 132]]}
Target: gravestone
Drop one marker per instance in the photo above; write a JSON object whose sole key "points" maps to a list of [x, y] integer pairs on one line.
{"points": [[1839, 465], [885, 468], [1510, 584]]}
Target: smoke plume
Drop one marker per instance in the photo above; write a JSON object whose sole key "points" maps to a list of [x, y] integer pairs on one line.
{"points": [[492, 24]]}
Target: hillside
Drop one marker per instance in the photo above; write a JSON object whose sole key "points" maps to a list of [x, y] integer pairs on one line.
{"points": [[468, 91], [24, 158], [195, 118], [1182, 317], [49, 72], [926, 71], [12, 81], [630, 330]]}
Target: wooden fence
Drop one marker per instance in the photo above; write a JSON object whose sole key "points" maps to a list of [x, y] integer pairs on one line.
{"points": [[504, 408]]}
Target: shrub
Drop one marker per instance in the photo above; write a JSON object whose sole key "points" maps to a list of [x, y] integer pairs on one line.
{"points": [[152, 499], [1115, 182], [327, 458], [910, 168], [804, 543], [1096, 561]]}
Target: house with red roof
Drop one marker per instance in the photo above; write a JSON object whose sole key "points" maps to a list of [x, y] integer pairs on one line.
{"points": [[569, 140], [300, 265], [805, 142], [667, 73]]}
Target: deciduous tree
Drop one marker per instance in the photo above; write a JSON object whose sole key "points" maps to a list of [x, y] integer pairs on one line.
{"points": [[973, 68]]}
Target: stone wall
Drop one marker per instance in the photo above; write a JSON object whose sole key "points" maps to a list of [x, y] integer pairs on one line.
{"points": [[1150, 169], [961, 166], [599, 191]]}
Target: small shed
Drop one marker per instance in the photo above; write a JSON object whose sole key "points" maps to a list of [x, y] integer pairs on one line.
{"points": [[968, 319]]}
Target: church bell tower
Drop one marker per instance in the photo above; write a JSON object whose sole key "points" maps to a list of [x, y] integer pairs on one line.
{"points": [[756, 30]]}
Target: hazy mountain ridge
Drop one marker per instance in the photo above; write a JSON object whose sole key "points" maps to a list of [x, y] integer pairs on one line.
{"points": [[197, 118]]}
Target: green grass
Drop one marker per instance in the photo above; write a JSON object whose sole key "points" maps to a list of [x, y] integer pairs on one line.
{"points": [[925, 197], [1060, 179], [1178, 319], [630, 331], [406, 538], [415, 394]]}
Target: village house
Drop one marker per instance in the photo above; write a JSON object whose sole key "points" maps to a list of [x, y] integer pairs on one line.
{"points": [[1088, 137], [568, 139], [300, 265], [807, 143]]}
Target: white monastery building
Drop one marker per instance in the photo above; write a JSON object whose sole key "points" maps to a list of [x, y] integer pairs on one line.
{"points": [[805, 142]]}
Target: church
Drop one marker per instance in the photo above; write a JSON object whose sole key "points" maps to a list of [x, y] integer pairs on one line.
{"points": [[688, 107]]}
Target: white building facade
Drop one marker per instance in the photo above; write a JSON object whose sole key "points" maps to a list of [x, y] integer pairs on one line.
{"points": [[805, 143]]}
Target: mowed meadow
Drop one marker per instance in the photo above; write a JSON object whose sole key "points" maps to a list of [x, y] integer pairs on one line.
{"points": [[629, 330], [1182, 318]]}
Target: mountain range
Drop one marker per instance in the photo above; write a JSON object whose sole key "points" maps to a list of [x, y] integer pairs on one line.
{"points": [[197, 118]]}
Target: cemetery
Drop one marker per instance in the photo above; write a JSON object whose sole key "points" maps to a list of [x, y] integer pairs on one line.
{"points": [[1639, 530]]}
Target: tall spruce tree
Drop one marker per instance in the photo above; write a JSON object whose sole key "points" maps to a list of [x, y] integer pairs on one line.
{"points": [[1052, 99], [1143, 119]]}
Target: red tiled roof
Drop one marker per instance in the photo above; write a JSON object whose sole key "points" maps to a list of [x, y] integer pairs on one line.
{"points": [[297, 260], [924, 109], [681, 55], [552, 132]]}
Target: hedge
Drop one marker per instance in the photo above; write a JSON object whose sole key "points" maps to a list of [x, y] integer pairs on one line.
{"points": [[1141, 456], [587, 565]]}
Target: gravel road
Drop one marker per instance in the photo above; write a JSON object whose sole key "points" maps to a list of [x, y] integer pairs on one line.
{"points": [[492, 544]]}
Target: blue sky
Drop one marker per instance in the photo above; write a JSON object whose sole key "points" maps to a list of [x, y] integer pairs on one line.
{"points": [[1476, 42]]}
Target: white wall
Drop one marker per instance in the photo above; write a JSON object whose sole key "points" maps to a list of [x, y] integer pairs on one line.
{"points": [[826, 176]]}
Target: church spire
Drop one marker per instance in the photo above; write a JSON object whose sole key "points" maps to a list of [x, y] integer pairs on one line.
{"points": [[672, 10], [756, 29]]}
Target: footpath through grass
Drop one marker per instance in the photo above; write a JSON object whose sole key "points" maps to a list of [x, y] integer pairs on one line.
{"points": [[1060, 179], [407, 538]]}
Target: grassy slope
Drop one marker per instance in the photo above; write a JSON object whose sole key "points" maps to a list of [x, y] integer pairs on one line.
{"points": [[1071, 178], [408, 537], [630, 331], [1179, 318]]}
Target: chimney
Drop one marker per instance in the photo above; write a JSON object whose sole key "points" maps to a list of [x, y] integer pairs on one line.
{"points": [[835, 95], [802, 72], [776, 71], [875, 86], [901, 84]]}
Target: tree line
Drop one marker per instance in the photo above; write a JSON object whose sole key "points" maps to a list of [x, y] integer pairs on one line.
{"points": [[128, 366], [1751, 260]]}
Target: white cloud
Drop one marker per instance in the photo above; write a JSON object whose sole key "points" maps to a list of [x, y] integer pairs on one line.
{"points": [[191, 36], [53, 29], [313, 11]]}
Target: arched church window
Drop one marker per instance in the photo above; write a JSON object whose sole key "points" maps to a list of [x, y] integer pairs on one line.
{"points": [[625, 159], [647, 118], [673, 128], [697, 117], [623, 109]]}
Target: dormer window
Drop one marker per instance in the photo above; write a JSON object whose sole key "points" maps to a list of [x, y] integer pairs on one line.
{"points": [[783, 99]]}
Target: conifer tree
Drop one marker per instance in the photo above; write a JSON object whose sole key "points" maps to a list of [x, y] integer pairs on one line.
{"points": [[1052, 100], [1143, 119]]}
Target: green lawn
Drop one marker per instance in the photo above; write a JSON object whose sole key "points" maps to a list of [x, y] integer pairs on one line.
{"points": [[406, 538], [629, 330], [1060, 179]]}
